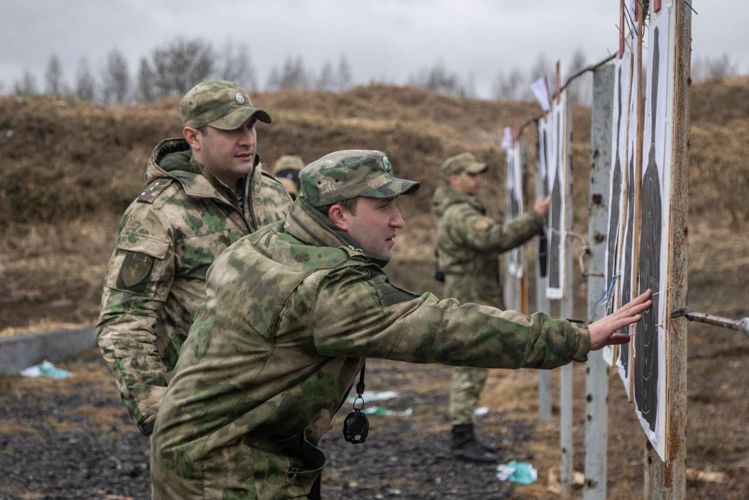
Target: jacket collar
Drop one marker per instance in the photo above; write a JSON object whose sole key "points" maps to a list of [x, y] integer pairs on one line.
{"points": [[445, 196], [172, 158], [307, 224]]}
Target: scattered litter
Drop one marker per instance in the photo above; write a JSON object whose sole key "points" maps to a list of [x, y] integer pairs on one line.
{"points": [[554, 486], [380, 411], [374, 396], [481, 411], [45, 369], [517, 472]]}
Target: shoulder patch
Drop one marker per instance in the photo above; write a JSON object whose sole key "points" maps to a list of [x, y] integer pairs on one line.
{"points": [[135, 269], [153, 190], [481, 225]]}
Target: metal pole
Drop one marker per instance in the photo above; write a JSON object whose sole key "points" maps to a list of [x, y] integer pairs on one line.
{"points": [[596, 378], [741, 325], [667, 480]]}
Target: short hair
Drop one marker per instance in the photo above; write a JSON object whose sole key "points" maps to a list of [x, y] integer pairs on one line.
{"points": [[349, 205]]}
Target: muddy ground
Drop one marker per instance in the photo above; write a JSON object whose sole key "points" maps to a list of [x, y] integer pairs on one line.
{"points": [[71, 439]]}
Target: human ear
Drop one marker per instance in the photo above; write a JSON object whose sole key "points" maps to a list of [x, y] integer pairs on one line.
{"points": [[192, 136], [337, 216]]}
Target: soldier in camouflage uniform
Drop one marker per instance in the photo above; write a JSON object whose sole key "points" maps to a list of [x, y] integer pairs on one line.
{"points": [[202, 194], [286, 169], [292, 311], [468, 247]]}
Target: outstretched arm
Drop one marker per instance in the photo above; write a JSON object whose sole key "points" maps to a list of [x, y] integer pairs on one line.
{"points": [[605, 331]]}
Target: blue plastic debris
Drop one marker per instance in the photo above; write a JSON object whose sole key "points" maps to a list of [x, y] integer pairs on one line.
{"points": [[517, 472], [45, 369]]}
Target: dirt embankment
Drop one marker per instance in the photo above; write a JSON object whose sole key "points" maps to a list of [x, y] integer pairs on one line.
{"points": [[68, 169]]}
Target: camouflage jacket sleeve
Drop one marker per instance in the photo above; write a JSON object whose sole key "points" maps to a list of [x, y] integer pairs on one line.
{"points": [[359, 313], [137, 283], [467, 226]]}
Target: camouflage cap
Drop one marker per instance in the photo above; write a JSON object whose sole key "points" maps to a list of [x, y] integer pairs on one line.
{"points": [[347, 174], [219, 104], [286, 169], [463, 162], [288, 162]]}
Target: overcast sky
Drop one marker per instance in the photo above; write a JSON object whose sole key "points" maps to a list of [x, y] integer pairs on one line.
{"points": [[382, 39]]}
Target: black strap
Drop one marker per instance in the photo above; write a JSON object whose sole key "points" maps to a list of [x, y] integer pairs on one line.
{"points": [[360, 383]]}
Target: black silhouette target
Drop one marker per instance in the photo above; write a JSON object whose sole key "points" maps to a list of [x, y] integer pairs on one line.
{"points": [[543, 155], [646, 341], [626, 295], [555, 239]]}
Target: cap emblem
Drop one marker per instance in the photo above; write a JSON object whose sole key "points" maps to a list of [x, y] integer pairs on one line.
{"points": [[239, 98], [386, 164]]}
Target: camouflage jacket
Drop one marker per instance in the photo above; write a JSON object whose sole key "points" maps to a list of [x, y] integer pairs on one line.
{"points": [[469, 244], [292, 310], [167, 239]]}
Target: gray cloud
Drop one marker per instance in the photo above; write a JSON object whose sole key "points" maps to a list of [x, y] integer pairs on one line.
{"points": [[387, 39]]}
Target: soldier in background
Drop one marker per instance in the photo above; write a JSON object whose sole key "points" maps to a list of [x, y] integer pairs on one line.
{"points": [[203, 192], [292, 311], [468, 246], [286, 169]]}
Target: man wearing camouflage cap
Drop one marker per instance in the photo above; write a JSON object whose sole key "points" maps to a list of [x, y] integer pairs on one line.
{"points": [[286, 169], [203, 192], [292, 311], [468, 246]]}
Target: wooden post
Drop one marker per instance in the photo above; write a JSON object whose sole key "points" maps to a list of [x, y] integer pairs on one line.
{"points": [[567, 310], [668, 480], [596, 376]]}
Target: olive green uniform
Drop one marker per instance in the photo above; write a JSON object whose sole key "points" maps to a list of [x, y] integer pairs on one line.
{"points": [[292, 311], [468, 246], [155, 281]]}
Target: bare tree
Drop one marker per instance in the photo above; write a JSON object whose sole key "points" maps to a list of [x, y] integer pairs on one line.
{"points": [[509, 87], [182, 64], [145, 90], [470, 85], [293, 75], [543, 68], [26, 85], [439, 79], [580, 90], [53, 77], [115, 78], [709, 68], [85, 85], [274, 79], [327, 79], [344, 73], [236, 65]]}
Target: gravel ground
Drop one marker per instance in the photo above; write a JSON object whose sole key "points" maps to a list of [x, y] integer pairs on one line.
{"points": [[71, 439]]}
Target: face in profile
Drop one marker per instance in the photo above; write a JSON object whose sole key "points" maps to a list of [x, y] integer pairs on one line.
{"points": [[373, 225], [228, 154], [466, 182]]}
